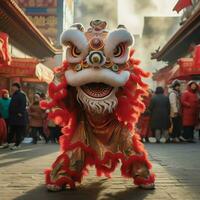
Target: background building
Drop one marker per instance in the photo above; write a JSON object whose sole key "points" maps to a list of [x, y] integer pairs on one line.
{"points": [[85, 11], [51, 17], [22, 48], [178, 51], [154, 35]]}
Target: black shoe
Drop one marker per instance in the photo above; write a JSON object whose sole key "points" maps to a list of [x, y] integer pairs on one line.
{"points": [[46, 141], [34, 142], [168, 141], [146, 139]]}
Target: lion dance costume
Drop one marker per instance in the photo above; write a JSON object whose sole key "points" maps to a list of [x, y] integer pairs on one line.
{"points": [[96, 99]]}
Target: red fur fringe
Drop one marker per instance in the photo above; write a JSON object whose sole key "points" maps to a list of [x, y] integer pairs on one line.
{"points": [[145, 181], [103, 167]]}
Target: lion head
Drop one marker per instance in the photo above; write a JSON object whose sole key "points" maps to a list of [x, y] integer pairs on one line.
{"points": [[98, 63]]}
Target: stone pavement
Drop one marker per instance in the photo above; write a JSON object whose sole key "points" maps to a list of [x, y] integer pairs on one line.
{"points": [[177, 167]]}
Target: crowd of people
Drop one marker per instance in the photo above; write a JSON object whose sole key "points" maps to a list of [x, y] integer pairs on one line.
{"points": [[173, 117], [167, 118], [20, 119]]}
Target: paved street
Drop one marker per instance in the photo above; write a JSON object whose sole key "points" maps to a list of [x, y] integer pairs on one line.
{"points": [[177, 167]]}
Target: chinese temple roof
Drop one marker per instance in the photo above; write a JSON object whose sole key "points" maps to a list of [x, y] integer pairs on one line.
{"points": [[181, 41], [29, 69], [22, 32]]}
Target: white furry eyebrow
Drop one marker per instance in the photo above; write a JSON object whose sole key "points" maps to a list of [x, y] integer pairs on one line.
{"points": [[76, 37], [116, 37]]}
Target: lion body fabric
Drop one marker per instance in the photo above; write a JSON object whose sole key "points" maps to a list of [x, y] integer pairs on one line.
{"points": [[96, 99]]}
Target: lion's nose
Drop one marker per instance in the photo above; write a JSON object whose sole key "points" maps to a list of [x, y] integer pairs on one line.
{"points": [[96, 59]]}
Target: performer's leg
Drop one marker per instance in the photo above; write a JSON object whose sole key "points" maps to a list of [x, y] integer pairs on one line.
{"points": [[65, 171], [142, 175], [136, 165]]}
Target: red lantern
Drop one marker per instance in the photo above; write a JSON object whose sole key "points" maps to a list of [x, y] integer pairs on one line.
{"points": [[4, 54]]}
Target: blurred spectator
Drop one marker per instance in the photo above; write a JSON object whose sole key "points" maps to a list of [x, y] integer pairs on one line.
{"points": [[42, 96], [144, 120], [3, 130], [190, 109], [17, 116], [159, 115], [4, 105], [55, 131], [36, 119], [198, 124], [175, 111]]}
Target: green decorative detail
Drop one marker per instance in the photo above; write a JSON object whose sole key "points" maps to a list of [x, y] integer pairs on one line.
{"points": [[128, 151], [78, 67], [115, 68]]}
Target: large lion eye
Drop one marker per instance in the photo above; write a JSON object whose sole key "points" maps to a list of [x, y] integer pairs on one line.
{"points": [[119, 50], [75, 52]]}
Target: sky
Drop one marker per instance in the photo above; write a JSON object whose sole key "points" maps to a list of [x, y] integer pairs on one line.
{"points": [[131, 12]]}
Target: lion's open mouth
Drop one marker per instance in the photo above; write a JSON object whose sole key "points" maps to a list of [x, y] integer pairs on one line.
{"points": [[97, 90]]}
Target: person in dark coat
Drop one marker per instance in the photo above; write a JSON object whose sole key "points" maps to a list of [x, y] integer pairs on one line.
{"points": [[160, 115], [17, 116]]}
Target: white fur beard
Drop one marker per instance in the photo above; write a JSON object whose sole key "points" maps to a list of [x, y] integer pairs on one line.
{"points": [[98, 106]]}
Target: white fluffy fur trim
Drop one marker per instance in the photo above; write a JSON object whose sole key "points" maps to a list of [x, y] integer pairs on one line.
{"points": [[113, 39], [92, 75], [77, 38], [74, 36]]}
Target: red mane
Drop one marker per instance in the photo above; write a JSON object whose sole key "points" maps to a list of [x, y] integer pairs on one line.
{"points": [[64, 111]]}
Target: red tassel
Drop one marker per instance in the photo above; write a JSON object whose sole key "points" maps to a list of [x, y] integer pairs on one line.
{"points": [[104, 167]]}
